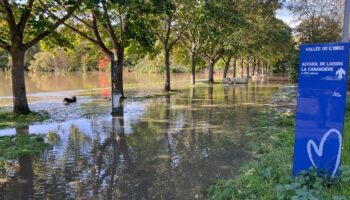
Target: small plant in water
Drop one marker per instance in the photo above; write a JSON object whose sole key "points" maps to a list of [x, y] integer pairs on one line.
{"points": [[53, 138]]}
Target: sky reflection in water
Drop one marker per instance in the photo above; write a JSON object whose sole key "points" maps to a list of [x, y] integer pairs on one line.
{"points": [[171, 147]]}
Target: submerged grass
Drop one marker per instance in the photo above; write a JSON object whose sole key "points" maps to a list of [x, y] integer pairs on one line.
{"points": [[12, 147], [10, 120], [156, 96], [269, 175]]}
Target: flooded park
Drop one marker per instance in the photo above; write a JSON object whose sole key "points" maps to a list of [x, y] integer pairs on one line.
{"points": [[169, 147], [174, 100]]}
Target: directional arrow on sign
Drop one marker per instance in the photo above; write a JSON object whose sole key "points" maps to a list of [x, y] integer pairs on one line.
{"points": [[340, 73]]}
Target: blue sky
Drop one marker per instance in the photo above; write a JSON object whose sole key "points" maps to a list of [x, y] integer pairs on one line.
{"points": [[285, 15]]}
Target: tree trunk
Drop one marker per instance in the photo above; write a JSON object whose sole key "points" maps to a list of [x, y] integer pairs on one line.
{"points": [[254, 66], [210, 95], [234, 67], [227, 64], [262, 69], [25, 169], [167, 69], [211, 71], [120, 63], [193, 65], [248, 67], [20, 102], [117, 80], [258, 68], [26, 175], [242, 63]]}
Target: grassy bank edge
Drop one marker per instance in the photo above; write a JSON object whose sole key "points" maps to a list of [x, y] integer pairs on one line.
{"points": [[268, 176], [11, 120], [15, 146]]}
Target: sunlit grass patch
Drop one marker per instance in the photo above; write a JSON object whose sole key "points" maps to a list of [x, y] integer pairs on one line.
{"points": [[12, 147], [9, 120]]}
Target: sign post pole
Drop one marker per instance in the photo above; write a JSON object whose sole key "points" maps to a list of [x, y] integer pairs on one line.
{"points": [[345, 37]]}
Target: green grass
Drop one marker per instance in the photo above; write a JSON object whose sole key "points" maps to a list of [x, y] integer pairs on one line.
{"points": [[12, 147], [10, 120], [268, 176]]}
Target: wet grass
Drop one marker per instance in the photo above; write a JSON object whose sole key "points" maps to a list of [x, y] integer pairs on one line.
{"points": [[11, 120], [12, 147], [269, 176], [156, 96]]}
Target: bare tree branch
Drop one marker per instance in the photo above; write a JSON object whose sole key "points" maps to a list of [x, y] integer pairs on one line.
{"points": [[121, 24], [25, 16], [172, 43], [161, 38], [168, 31], [9, 18], [4, 45], [98, 41], [84, 35], [205, 56], [224, 59], [98, 36], [108, 26], [82, 21], [76, 17], [47, 32], [101, 46]]}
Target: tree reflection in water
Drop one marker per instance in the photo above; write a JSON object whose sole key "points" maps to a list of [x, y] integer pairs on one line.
{"points": [[25, 173], [18, 176], [172, 150]]}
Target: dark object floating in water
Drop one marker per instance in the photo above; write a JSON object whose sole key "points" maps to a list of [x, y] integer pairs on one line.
{"points": [[68, 100]]}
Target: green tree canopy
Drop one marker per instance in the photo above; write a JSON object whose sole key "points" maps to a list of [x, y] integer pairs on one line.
{"points": [[22, 25]]}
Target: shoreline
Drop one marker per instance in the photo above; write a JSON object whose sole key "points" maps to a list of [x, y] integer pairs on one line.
{"points": [[269, 175]]}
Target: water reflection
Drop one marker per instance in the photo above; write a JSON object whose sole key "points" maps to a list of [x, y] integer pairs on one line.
{"points": [[25, 172], [17, 176], [171, 149], [25, 177], [92, 83]]}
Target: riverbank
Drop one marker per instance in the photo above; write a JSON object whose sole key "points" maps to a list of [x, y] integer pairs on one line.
{"points": [[11, 120], [268, 176]]}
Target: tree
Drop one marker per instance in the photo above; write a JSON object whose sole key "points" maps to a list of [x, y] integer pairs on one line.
{"points": [[318, 30], [43, 61], [192, 38], [309, 9], [266, 38], [24, 24], [320, 19], [222, 21], [168, 29], [111, 25]]}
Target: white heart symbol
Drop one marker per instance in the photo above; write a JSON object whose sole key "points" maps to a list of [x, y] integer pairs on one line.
{"points": [[319, 150]]}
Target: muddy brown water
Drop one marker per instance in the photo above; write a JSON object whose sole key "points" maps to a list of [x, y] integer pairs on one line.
{"points": [[169, 147]]}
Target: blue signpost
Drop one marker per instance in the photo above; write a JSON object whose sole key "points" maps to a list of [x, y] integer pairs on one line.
{"points": [[323, 73]]}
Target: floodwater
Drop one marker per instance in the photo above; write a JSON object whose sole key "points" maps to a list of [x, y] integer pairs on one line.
{"points": [[169, 147]]}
